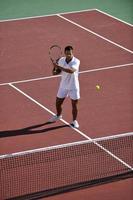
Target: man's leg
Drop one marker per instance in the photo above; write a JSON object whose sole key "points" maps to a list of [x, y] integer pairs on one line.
{"points": [[74, 109], [75, 96], [59, 102]]}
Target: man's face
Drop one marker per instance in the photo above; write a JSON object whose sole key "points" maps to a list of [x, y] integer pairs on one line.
{"points": [[69, 55]]}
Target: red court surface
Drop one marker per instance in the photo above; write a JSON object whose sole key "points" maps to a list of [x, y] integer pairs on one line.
{"points": [[105, 26], [25, 43], [106, 59]]}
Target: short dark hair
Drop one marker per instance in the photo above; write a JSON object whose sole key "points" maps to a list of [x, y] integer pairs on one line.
{"points": [[68, 48]]}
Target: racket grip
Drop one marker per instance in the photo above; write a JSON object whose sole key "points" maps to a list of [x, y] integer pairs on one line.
{"points": [[56, 71]]}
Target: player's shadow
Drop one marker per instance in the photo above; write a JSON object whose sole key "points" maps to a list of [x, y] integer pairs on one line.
{"points": [[30, 130]]}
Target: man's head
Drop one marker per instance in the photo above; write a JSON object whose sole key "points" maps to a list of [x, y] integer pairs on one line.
{"points": [[68, 52]]}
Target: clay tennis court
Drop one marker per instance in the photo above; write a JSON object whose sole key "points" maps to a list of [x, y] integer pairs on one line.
{"points": [[28, 89]]}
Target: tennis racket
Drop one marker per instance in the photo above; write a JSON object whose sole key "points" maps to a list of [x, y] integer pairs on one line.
{"points": [[55, 53]]}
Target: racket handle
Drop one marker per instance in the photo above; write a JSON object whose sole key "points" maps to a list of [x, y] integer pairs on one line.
{"points": [[56, 71], [55, 61], [52, 60]]}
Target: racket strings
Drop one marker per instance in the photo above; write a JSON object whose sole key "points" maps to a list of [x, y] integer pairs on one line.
{"points": [[55, 53]]}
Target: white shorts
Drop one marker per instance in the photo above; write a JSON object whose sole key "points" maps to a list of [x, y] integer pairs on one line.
{"points": [[73, 94]]}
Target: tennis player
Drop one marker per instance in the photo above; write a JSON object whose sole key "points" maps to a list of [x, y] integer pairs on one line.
{"points": [[69, 85]]}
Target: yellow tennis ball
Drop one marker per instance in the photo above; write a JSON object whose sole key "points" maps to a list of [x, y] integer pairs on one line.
{"points": [[98, 87]]}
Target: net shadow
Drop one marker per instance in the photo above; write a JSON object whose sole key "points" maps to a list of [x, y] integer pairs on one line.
{"points": [[75, 187]]}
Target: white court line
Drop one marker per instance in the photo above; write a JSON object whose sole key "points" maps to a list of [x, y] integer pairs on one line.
{"points": [[65, 13], [106, 68], [114, 17], [55, 76], [81, 133], [30, 80], [94, 33], [49, 15]]}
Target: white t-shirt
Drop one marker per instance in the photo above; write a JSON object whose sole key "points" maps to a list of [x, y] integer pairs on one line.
{"points": [[69, 81]]}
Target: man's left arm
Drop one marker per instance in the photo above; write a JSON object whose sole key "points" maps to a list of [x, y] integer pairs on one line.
{"points": [[70, 70]]}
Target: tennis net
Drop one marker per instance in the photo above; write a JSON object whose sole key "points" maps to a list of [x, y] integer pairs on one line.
{"points": [[42, 172]]}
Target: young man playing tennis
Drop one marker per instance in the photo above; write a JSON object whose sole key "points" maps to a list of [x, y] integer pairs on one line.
{"points": [[69, 85]]}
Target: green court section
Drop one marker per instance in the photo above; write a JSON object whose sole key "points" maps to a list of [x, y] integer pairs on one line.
{"points": [[9, 9]]}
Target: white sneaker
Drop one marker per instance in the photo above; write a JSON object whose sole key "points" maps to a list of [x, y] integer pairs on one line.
{"points": [[55, 118], [75, 124]]}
